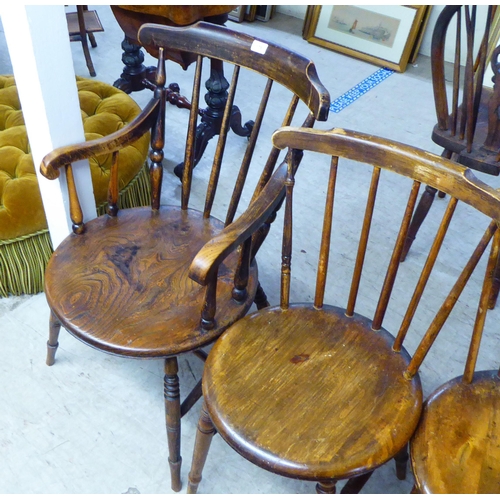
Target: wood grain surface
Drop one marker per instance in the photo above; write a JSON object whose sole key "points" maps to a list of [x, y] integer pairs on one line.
{"points": [[312, 421], [456, 448], [123, 286]]}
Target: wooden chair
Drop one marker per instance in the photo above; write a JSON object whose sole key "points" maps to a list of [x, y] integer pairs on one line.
{"points": [[317, 391], [468, 124], [82, 24], [120, 282], [456, 446]]}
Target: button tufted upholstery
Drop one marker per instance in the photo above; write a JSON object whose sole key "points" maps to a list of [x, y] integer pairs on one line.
{"points": [[104, 109]]}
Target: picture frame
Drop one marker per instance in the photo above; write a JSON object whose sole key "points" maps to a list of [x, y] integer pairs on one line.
{"points": [[380, 34], [238, 14]]}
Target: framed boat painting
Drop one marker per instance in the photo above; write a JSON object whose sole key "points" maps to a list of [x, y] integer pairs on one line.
{"points": [[379, 34]]}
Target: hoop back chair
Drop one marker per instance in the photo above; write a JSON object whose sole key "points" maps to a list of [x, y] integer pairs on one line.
{"points": [[467, 121], [323, 392], [120, 282]]}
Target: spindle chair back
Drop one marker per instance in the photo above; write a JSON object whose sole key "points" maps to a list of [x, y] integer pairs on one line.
{"points": [[120, 283], [464, 108], [320, 389]]}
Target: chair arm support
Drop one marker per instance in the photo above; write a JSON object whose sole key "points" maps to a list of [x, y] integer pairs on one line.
{"points": [[65, 155], [208, 259]]}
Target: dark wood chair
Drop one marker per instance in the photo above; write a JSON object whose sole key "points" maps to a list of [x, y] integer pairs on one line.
{"points": [[82, 24], [120, 282], [325, 392], [467, 120]]}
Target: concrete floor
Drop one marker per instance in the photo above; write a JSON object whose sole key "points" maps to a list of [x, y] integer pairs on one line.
{"points": [[94, 423]]}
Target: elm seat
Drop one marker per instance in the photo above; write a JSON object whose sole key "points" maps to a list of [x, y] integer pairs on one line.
{"points": [[25, 246]]}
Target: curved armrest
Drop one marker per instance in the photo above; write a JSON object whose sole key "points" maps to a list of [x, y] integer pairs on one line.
{"points": [[208, 259], [65, 155]]}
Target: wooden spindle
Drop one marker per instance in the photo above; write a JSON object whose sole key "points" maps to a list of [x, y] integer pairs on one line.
{"points": [[247, 158], [477, 333], [324, 253], [456, 74], [75, 210], [449, 303], [210, 304], [113, 186], [479, 66], [363, 242], [468, 78], [221, 144], [187, 173], [158, 135], [392, 270], [242, 272], [424, 275], [273, 156], [286, 254]]}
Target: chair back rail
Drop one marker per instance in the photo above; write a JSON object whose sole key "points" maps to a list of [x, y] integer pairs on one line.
{"points": [[422, 167]]}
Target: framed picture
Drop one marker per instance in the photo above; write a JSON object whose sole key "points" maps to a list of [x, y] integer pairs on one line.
{"points": [[238, 14], [379, 34]]}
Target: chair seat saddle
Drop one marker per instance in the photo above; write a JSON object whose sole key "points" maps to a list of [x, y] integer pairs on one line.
{"points": [[301, 410], [127, 296], [456, 448]]}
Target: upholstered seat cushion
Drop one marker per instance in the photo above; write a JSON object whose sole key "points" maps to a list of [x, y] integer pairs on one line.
{"points": [[104, 109]]}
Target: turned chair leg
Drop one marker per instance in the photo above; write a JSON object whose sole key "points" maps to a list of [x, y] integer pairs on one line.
{"points": [[173, 421], [420, 214], [53, 344], [261, 298], [401, 460], [204, 435], [495, 286], [355, 484], [421, 211], [327, 487]]}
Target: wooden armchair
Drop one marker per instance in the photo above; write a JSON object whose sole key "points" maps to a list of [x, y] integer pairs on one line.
{"points": [[467, 119], [321, 390], [120, 282]]}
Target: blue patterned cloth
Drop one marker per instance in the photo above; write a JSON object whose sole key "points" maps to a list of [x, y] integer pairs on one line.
{"points": [[360, 89]]}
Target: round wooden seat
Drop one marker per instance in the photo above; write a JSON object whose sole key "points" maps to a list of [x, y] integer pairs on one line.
{"points": [[131, 294], [300, 382], [456, 448]]}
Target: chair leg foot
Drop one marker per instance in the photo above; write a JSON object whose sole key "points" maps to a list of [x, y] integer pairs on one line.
{"points": [[52, 343], [173, 421], [401, 460], [326, 487], [204, 435]]}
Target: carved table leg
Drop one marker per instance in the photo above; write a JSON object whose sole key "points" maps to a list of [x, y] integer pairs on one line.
{"points": [[355, 484], [401, 460], [326, 487], [204, 435], [211, 117], [53, 344], [134, 72], [173, 421]]}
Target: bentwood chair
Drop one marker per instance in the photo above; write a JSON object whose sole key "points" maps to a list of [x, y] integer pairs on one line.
{"points": [[323, 390], [467, 125], [120, 283]]}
